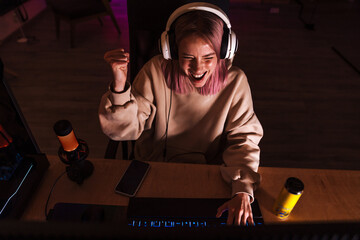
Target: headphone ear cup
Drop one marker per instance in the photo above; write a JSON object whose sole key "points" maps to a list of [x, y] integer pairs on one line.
{"points": [[168, 39], [233, 45], [229, 44], [165, 46], [224, 48]]}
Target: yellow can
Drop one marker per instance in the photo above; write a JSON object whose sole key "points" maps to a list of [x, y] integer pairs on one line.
{"points": [[288, 197]]}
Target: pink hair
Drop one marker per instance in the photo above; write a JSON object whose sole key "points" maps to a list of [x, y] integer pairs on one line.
{"points": [[209, 27]]}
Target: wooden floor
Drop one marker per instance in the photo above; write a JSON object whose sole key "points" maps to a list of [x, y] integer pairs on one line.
{"points": [[305, 95]]}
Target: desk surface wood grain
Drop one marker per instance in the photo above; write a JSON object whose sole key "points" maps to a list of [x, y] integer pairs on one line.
{"points": [[329, 195]]}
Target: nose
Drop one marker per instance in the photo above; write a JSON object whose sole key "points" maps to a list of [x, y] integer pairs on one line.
{"points": [[196, 65]]}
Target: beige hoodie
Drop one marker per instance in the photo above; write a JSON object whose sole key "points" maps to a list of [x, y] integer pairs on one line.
{"points": [[215, 129]]}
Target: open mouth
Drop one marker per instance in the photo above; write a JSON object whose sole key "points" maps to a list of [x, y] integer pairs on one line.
{"points": [[198, 77]]}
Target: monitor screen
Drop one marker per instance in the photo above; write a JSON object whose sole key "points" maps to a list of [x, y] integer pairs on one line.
{"points": [[13, 121]]}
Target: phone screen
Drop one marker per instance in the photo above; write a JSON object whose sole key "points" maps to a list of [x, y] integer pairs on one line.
{"points": [[132, 178]]}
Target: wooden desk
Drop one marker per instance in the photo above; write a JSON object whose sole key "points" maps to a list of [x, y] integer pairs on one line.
{"points": [[329, 195]]}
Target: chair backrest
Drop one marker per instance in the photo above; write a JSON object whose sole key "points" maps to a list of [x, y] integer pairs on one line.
{"points": [[147, 20]]}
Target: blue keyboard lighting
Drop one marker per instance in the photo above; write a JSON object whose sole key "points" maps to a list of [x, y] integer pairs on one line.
{"points": [[181, 223]]}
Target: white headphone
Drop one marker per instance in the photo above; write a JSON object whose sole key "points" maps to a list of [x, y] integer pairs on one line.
{"points": [[229, 41]]}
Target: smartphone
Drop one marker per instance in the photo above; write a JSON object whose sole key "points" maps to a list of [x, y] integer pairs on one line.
{"points": [[131, 181]]}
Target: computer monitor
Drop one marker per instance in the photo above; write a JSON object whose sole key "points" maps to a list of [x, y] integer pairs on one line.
{"points": [[22, 164], [13, 121]]}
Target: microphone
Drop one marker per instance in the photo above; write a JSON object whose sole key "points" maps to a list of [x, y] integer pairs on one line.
{"points": [[73, 152]]}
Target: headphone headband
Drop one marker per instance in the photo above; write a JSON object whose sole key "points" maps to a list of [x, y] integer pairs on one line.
{"points": [[229, 41], [198, 6]]}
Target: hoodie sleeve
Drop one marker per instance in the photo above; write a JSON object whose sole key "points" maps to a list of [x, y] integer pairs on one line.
{"points": [[243, 132], [125, 115]]}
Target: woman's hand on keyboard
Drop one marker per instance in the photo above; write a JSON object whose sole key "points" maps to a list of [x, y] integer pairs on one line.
{"points": [[239, 210]]}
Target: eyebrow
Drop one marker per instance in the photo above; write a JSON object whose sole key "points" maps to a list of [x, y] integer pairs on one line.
{"points": [[207, 55]]}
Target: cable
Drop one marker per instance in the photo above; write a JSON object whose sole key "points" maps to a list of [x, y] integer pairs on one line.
{"points": [[52, 188], [345, 59], [16, 191], [167, 127], [166, 136]]}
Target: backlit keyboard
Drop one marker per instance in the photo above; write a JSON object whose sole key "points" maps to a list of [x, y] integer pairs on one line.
{"points": [[181, 223]]}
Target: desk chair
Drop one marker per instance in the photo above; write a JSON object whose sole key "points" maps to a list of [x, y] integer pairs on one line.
{"points": [[75, 11], [147, 20]]}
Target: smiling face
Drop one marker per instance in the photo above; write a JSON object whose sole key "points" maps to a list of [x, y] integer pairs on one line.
{"points": [[197, 59]]}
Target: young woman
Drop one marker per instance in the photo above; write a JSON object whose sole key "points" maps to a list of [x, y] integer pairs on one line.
{"points": [[191, 107]]}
